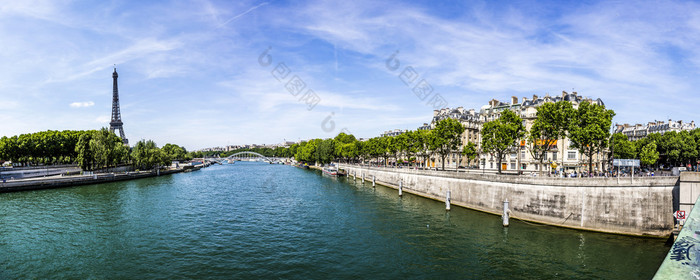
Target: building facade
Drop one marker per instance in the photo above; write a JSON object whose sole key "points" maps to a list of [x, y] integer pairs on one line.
{"points": [[639, 131], [560, 157]]}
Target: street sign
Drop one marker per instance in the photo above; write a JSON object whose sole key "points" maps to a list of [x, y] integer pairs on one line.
{"points": [[679, 215], [626, 162]]}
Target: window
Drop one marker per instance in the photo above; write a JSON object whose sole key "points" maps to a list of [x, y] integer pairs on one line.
{"points": [[571, 155], [512, 165], [524, 166], [522, 154], [544, 157], [491, 165], [554, 155]]}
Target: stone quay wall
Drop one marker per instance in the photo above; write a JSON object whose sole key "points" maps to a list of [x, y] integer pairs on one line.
{"points": [[640, 206]]}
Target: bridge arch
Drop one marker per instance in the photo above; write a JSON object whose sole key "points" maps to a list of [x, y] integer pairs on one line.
{"points": [[237, 155]]}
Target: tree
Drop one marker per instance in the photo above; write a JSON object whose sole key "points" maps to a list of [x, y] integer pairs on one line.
{"points": [[422, 139], [412, 144], [85, 155], [688, 151], [590, 130], [499, 136], [648, 155], [550, 125], [147, 155], [174, 152], [447, 138], [344, 138], [622, 147], [326, 151], [373, 149], [469, 151], [402, 144]]}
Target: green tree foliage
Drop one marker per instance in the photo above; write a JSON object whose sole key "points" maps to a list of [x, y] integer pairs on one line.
{"points": [[147, 155], [648, 155], [422, 139], [552, 123], [175, 152], [85, 158], [99, 149], [590, 130], [45, 147], [499, 136], [326, 151], [469, 150], [623, 148], [447, 138], [403, 145]]}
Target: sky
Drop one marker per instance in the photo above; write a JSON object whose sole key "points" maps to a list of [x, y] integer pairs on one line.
{"points": [[214, 73]]}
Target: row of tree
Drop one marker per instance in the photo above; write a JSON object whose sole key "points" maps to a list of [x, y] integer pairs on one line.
{"points": [[91, 150], [587, 128], [668, 149], [410, 148], [46, 147]]}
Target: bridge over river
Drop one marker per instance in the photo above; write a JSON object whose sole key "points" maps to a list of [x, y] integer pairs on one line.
{"points": [[247, 156]]}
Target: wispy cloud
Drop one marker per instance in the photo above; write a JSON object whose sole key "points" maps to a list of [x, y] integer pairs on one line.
{"points": [[82, 104], [198, 61], [242, 14]]}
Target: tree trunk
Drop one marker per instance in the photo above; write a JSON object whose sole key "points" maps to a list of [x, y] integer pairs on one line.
{"points": [[590, 163], [443, 161], [500, 159], [459, 161]]}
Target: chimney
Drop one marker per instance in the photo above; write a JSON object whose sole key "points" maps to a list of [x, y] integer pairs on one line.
{"points": [[563, 93], [513, 100], [574, 93], [435, 113], [534, 97], [471, 111]]}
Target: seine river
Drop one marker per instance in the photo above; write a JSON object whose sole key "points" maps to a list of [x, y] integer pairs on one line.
{"points": [[255, 220]]}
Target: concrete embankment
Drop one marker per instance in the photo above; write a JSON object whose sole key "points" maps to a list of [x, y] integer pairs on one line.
{"points": [[68, 181], [639, 206]]}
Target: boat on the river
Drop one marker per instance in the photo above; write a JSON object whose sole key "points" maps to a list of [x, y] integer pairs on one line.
{"points": [[330, 170], [302, 165]]}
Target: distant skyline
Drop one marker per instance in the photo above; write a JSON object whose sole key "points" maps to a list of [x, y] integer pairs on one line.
{"points": [[215, 73]]}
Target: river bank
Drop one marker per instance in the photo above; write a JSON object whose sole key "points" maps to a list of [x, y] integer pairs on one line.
{"points": [[77, 180], [640, 207]]}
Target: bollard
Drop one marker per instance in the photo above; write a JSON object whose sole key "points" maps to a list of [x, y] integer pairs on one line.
{"points": [[400, 188], [363, 178], [447, 201], [373, 180], [506, 212]]}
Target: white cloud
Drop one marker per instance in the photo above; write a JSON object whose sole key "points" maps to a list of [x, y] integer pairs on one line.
{"points": [[82, 104]]}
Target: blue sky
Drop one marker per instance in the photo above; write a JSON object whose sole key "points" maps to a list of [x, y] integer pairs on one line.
{"points": [[195, 73]]}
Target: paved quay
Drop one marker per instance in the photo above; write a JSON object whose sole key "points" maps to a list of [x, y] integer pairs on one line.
{"points": [[76, 180]]}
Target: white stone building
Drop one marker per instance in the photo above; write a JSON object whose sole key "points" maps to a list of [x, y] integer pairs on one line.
{"points": [[639, 131], [563, 156]]}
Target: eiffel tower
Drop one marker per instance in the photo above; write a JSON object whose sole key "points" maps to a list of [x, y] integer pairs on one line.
{"points": [[116, 122]]}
